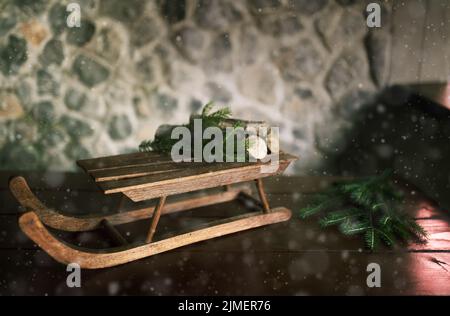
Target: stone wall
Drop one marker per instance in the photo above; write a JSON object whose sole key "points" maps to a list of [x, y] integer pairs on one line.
{"points": [[68, 93]]}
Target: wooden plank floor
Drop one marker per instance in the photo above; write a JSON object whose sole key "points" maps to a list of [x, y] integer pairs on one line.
{"points": [[291, 258]]}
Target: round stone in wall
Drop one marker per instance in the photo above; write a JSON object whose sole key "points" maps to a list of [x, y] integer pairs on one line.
{"points": [[108, 42], [300, 61], [46, 84], [264, 6], [53, 53], [216, 14], [23, 92], [125, 11], [218, 92], [13, 55], [75, 127], [307, 7], [52, 137], [144, 31], [172, 11], [280, 25], [79, 36], [7, 22], [57, 17], [120, 127], [89, 71], [190, 42], [219, 53], [75, 150], [261, 82], [43, 112], [10, 107], [75, 99], [344, 74], [166, 103], [19, 156]]}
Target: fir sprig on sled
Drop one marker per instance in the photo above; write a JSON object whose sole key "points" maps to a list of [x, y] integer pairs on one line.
{"points": [[209, 118], [214, 119], [370, 207]]}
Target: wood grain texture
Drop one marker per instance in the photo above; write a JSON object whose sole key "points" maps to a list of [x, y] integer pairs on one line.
{"points": [[419, 41], [117, 174], [123, 160], [408, 32], [34, 229], [266, 272], [133, 172], [262, 195], [434, 65], [145, 191], [155, 219], [297, 257]]}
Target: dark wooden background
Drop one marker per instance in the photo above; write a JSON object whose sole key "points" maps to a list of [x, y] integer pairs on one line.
{"points": [[292, 258]]}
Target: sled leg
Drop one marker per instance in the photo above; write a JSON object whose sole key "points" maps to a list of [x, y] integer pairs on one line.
{"points": [[113, 233], [155, 219], [262, 195]]}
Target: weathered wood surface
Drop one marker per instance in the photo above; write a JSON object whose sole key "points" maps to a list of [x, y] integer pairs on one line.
{"points": [[145, 190], [143, 176], [290, 258], [420, 41]]}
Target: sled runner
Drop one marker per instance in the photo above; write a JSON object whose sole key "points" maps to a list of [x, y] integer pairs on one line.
{"points": [[144, 176]]}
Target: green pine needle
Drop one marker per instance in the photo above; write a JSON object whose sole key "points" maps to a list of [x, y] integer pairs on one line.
{"points": [[368, 207], [371, 238], [352, 227], [336, 217]]}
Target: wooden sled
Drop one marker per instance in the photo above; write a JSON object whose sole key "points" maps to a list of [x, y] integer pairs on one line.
{"points": [[143, 176]]}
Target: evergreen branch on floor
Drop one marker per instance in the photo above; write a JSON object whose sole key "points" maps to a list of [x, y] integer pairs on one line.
{"points": [[370, 207]]}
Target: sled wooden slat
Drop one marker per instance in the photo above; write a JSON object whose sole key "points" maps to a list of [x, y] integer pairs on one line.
{"points": [[186, 179], [197, 182], [168, 177], [131, 172], [124, 160], [120, 173]]}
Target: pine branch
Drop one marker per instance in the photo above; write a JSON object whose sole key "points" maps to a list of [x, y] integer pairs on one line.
{"points": [[370, 207], [320, 203], [215, 118], [386, 236], [164, 143], [146, 145]]}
